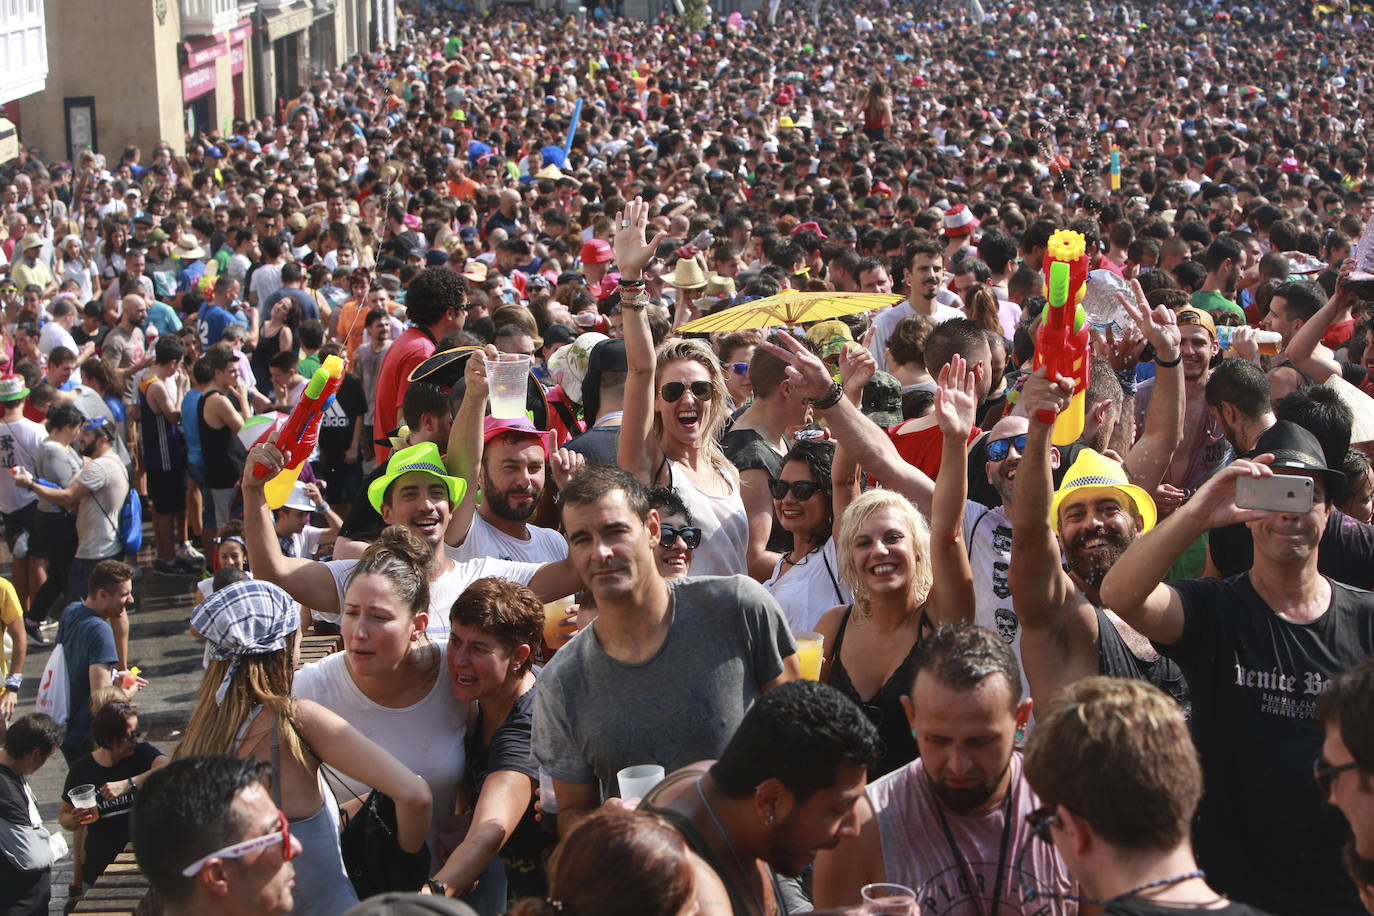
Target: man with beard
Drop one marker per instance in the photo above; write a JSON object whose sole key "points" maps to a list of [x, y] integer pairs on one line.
{"points": [[926, 296], [954, 819], [416, 492], [510, 454], [1257, 649], [1204, 447], [1067, 633], [784, 788], [1294, 304], [1346, 713], [1224, 260]]}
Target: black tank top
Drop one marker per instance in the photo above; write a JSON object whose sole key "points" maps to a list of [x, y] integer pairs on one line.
{"points": [[1115, 659], [884, 709], [219, 448]]}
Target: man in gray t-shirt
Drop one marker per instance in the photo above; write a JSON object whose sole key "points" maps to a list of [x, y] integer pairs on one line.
{"points": [[666, 672]]}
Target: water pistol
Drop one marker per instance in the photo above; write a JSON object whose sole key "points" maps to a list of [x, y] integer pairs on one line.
{"points": [[1064, 341], [1116, 169], [296, 440]]}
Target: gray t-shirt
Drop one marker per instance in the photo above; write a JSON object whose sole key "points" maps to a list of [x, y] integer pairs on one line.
{"points": [[57, 464], [97, 519], [594, 715]]}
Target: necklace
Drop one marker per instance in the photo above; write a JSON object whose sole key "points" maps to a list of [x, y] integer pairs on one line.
{"points": [[1150, 885], [744, 872]]}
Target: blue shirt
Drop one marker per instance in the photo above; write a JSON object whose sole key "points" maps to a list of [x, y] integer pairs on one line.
{"points": [[163, 317], [86, 639], [211, 322], [190, 429], [304, 301]]}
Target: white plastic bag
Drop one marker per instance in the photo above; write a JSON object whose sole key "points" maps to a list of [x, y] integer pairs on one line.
{"points": [[53, 691]]}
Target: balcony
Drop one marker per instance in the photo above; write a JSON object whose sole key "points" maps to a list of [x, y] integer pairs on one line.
{"points": [[208, 17], [273, 5], [23, 49]]}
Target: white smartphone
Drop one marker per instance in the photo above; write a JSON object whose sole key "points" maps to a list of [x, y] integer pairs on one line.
{"points": [[1279, 493]]}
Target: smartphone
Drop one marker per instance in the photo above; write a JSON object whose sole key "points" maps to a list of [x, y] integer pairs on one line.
{"points": [[1279, 493]]}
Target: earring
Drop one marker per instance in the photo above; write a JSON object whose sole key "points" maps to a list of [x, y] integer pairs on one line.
{"points": [[1020, 737], [769, 822]]}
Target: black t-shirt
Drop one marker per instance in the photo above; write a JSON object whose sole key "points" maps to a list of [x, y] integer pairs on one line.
{"points": [[747, 450], [364, 522], [107, 836], [524, 852], [598, 444], [1137, 907], [1115, 659], [1264, 833], [336, 426], [22, 893], [1346, 551]]}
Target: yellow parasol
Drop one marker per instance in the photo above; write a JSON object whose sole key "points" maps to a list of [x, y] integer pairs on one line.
{"points": [[789, 308]]}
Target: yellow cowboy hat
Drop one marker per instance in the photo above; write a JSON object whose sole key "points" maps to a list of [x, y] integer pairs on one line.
{"points": [[1092, 472]]}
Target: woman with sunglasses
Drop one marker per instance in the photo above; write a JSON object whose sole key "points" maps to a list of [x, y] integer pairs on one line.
{"points": [[110, 260], [906, 576], [675, 409], [805, 580], [245, 708], [678, 538]]}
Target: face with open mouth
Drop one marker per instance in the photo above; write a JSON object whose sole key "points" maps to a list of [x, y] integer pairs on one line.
{"points": [[1002, 474], [478, 664], [675, 560], [1095, 531], [687, 417], [802, 516], [377, 627], [885, 553], [419, 501]]}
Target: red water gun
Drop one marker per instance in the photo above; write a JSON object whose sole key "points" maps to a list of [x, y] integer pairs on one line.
{"points": [[296, 438], [1064, 341]]}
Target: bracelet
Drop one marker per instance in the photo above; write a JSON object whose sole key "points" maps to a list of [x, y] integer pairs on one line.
{"points": [[1128, 381], [631, 284], [14, 681], [830, 398], [1170, 364]]}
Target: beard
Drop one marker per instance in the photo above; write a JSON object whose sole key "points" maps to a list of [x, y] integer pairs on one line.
{"points": [[499, 501], [1093, 567], [964, 801]]}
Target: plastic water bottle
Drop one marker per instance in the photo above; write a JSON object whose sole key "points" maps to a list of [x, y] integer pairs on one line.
{"points": [[1100, 302]]}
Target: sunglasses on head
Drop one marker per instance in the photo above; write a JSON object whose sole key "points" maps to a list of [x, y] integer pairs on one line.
{"points": [[672, 392], [1325, 773], [239, 850], [668, 536], [998, 449], [802, 489]]}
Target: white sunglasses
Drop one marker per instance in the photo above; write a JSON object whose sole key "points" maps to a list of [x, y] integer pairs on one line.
{"points": [[239, 850]]}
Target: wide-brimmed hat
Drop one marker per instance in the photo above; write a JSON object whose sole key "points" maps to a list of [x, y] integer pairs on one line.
{"points": [[425, 458], [687, 274], [188, 249], [832, 337], [32, 240], [299, 499], [1294, 448], [1092, 472], [720, 286], [12, 388], [475, 272]]}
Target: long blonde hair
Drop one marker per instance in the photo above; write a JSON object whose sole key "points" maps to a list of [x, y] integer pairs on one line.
{"points": [[260, 680], [698, 352], [855, 517]]}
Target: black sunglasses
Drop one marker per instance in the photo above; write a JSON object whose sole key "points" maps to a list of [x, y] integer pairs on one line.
{"points": [[668, 535], [802, 489], [672, 392], [1001, 448], [1325, 773]]}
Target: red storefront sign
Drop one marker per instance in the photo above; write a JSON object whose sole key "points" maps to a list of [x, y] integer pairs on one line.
{"points": [[195, 83]]}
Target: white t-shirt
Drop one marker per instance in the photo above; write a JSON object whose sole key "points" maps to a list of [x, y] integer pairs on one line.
{"points": [[307, 541], [987, 537], [887, 322], [427, 737], [544, 545], [444, 590], [808, 590], [19, 441], [266, 281], [54, 335]]}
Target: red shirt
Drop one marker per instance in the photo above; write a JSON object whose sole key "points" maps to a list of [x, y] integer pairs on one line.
{"points": [[1338, 333], [410, 349]]}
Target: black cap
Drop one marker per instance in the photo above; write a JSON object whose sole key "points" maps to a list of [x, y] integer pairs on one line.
{"points": [[1296, 448], [607, 356], [559, 334]]}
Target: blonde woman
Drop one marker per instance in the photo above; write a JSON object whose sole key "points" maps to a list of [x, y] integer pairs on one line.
{"points": [[676, 405], [245, 708], [906, 577]]}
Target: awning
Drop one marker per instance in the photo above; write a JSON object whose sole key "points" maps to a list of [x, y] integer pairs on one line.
{"points": [[9, 141]]}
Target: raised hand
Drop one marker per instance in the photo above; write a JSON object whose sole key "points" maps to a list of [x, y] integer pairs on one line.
{"points": [[857, 367], [632, 252], [808, 375], [1159, 327], [564, 464], [269, 456], [1042, 394], [956, 399]]}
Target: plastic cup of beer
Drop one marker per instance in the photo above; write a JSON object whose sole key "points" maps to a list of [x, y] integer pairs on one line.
{"points": [[893, 899], [555, 612], [507, 380], [638, 781], [83, 800], [809, 649]]}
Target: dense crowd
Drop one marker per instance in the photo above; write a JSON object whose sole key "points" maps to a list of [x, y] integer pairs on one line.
{"points": [[812, 614]]}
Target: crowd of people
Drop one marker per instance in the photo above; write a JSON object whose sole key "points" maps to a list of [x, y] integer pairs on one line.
{"points": [[1147, 645]]}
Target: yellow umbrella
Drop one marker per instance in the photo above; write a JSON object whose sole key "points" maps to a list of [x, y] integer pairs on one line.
{"points": [[789, 308]]}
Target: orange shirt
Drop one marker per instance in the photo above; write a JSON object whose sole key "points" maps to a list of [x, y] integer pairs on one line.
{"points": [[351, 330]]}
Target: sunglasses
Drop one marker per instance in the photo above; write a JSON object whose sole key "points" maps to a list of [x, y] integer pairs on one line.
{"points": [[672, 392], [1000, 448], [239, 850], [802, 489], [738, 368], [134, 735], [668, 535], [1325, 773]]}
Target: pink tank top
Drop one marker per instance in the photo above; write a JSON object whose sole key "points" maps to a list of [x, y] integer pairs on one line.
{"points": [[917, 853]]}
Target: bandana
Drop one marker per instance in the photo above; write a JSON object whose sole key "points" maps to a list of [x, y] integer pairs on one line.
{"points": [[249, 617]]}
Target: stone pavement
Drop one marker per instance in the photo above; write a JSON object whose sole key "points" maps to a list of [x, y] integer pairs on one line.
{"points": [[168, 656]]}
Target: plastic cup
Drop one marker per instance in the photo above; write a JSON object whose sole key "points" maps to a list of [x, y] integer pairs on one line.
{"points": [[507, 380], [893, 899], [83, 800], [639, 781], [555, 612], [810, 647]]}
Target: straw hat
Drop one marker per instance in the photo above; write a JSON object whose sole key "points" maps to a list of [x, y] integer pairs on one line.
{"points": [[720, 286], [188, 249], [32, 240], [687, 274], [475, 272]]}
